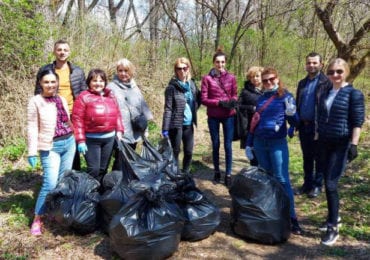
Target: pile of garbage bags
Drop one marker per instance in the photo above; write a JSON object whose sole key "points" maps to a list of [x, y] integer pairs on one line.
{"points": [[147, 208]]}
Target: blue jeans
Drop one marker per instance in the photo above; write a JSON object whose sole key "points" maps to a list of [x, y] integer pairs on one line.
{"points": [[333, 157], [54, 163], [228, 131], [273, 156]]}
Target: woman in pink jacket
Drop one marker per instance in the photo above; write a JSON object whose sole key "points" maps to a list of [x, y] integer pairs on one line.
{"points": [[97, 121], [219, 95], [50, 134]]}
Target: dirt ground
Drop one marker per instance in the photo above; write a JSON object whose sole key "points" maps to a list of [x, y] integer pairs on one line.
{"points": [[57, 243]]}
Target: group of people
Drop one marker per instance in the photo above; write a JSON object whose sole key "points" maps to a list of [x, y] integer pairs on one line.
{"points": [[71, 114]]}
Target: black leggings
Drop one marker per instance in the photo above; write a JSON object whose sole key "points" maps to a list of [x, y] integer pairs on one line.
{"points": [[186, 135]]}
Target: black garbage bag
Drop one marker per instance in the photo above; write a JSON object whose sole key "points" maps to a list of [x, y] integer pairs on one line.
{"points": [[149, 225], [201, 216], [74, 202], [135, 167], [260, 207], [116, 194]]}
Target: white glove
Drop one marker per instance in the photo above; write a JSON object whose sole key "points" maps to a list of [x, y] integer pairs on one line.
{"points": [[249, 153], [290, 108]]}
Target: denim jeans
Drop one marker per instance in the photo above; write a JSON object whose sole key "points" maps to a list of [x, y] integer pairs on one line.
{"points": [[54, 163], [186, 135], [333, 156], [313, 176], [273, 156], [228, 131], [99, 151]]}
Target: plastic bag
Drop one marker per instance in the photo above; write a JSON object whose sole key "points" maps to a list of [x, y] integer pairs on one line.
{"points": [[74, 202], [116, 194], [149, 226], [201, 216], [260, 207]]}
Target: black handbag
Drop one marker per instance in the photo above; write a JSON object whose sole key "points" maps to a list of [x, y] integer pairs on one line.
{"points": [[139, 123]]}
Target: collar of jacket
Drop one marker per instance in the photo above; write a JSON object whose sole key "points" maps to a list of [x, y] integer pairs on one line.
{"points": [[106, 92], [249, 86], [68, 63]]}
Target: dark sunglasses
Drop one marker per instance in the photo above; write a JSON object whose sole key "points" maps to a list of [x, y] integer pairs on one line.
{"points": [[331, 72], [182, 68], [267, 80]]}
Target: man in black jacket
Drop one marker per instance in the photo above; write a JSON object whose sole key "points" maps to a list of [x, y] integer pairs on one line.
{"points": [[71, 80], [308, 93]]}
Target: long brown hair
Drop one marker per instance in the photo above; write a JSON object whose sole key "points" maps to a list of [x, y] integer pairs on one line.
{"points": [[271, 70]]}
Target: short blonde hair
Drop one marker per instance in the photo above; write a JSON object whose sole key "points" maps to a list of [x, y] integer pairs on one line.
{"points": [[340, 62], [183, 60], [127, 65], [252, 71]]}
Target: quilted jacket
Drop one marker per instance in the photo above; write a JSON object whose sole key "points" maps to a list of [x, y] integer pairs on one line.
{"points": [[95, 113]]}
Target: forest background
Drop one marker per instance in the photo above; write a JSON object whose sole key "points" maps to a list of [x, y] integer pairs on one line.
{"points": [[152, 34]]}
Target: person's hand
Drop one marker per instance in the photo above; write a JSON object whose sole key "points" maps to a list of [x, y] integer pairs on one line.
{"points": [[32, 160], [232, 103], [291, 131], [223, 104], [165, 133], [249, 152], [82, 148], [290, 108], [119, 135], [352, 152]]}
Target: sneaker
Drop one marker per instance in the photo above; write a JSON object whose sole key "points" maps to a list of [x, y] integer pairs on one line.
{"points": [[295, 228], [330, 237], [314, 192], [324, 226], [301, 190], [36, 227]]}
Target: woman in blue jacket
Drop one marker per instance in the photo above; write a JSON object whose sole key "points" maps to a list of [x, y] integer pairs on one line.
{"points": [[341, 114], [269, 140]]}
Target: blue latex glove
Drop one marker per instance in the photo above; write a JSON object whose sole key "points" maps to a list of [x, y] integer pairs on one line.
{"points": [[165, 133], [291, 131], [249, 153], [32, 160], [82, 148]]}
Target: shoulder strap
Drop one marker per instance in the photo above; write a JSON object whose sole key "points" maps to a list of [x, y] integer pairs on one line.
{"points": [[266, 104]]}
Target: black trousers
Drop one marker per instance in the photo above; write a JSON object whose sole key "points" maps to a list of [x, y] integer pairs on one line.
{"points": [[186, 136], [99, 151]]}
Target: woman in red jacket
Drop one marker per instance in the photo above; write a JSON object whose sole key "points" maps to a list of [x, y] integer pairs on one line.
{"points": [[97, 120]]}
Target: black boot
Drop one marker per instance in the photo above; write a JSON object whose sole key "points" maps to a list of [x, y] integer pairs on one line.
{"points": [[295, 228], [228, 180], [217, 176]]}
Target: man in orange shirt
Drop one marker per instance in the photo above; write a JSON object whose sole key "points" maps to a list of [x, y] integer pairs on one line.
{"points": [[71, 80]]}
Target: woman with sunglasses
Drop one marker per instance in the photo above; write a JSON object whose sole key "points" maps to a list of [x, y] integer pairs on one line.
{"points": [[180, 112], [341, 114], [219, 95], [269, 138]]}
